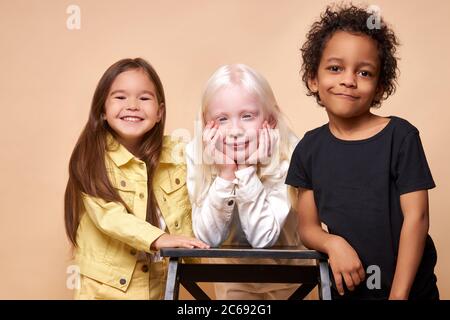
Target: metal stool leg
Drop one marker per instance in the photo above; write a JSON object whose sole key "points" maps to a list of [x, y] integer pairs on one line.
{"points": [[172, 285], [324, 281]]}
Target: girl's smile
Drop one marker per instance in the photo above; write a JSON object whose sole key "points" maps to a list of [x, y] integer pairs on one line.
{"points": [[239, 146], [131, 119]]}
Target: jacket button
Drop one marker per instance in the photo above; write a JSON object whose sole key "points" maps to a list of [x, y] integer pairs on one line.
{"points": [[176, 224], [144, 268], [177, 181], [133, 252], [230, 203], [123, 183], [141, 195], [164, 198], [123, 281]]}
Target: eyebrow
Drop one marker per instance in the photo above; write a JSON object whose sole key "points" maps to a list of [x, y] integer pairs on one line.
{"points": [[123, 91], [366, 63], [247, 110], [334, 59], [220, 114], [361, 64]]}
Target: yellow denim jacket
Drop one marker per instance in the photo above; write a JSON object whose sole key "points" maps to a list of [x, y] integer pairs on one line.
{"points": [[108, 237]]}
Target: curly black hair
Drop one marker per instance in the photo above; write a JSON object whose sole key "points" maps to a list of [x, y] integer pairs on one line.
{"points": [[351, 19]]}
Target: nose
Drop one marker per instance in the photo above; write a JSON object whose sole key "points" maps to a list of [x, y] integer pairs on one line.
{"points": [[133, 104], [348, 80], [235, 130], [235, 133]]}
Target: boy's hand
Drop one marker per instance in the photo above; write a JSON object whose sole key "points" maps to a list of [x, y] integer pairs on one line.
{"points": [[173, 241], [345, 264]]}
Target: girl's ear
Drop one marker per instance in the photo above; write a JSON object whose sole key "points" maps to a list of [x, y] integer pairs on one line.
{"points": [[272, 122], [160, 111], [313, 84]]}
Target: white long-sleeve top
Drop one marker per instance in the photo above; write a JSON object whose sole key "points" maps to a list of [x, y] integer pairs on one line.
{"points": [[245, 211]]}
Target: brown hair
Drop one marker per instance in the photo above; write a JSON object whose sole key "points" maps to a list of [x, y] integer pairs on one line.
{"points": [[87, 169]]}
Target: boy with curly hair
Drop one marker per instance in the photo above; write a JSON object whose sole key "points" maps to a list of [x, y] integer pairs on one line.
{"points": [[364, 176]]}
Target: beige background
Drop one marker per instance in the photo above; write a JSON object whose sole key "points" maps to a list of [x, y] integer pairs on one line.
{"points": [[48, 75]]}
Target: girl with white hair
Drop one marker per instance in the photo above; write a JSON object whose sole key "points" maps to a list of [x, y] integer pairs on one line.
{"points": [[236, 169]]}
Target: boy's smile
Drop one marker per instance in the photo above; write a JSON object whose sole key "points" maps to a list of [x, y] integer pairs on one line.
{"points": [[347, 77]]}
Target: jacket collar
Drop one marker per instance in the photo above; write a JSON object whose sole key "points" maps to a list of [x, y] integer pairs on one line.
{"points": [[121, 156], [118, 153]]}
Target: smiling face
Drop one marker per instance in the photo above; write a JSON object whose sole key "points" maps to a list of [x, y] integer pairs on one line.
{"points": [[240, 116], [347, 77], [132, 107]]}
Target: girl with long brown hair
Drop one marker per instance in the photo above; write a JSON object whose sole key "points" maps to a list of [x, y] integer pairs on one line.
{"points": [[126, 196]]}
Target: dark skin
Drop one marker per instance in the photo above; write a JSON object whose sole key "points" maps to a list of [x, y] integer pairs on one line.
{"points": [[347, 83]]}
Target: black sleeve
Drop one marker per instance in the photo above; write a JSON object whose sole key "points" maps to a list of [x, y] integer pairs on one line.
{"points": [[413, 173], [297, 175]]}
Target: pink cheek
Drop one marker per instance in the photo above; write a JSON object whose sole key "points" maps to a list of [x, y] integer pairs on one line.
{"points": [[222, 128]]}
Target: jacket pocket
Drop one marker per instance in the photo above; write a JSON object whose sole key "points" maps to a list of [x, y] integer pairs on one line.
{"points": [[176, 180], [126, 190], [89, 289]]}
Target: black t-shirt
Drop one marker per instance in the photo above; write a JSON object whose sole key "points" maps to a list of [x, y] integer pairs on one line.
{"points": [[357, 187]]}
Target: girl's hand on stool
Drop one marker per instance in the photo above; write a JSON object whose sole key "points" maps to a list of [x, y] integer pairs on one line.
{"points": [[173, 241]]}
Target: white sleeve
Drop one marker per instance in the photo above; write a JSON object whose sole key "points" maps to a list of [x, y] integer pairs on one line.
{"points": [[212, 217], [263, 208]]}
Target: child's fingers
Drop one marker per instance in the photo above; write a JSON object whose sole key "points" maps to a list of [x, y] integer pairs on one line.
{"points": [[349, 281], [361, 272], [263, 147], [207, 128], [267, 147], [208, 134], [338, 281], [253, 157], [261, 144], [209, 125], [273, 141], [355, 278], [270, 138], [209, 131], [201, 245], [195, 243], [215, 137], [185, 243]]}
